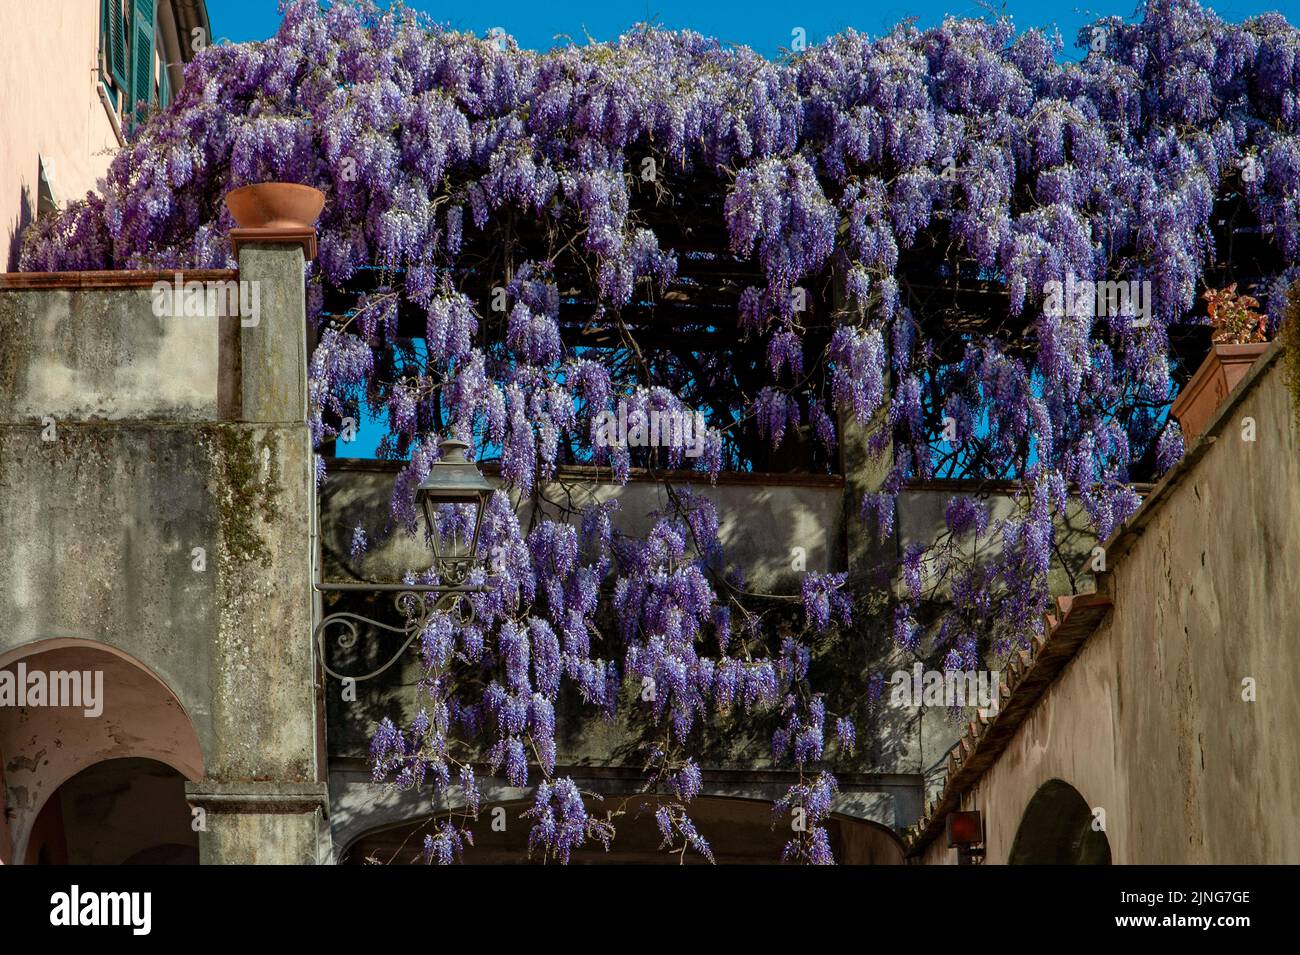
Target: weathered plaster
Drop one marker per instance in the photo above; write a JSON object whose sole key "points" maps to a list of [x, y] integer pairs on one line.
{"points": [[1148, 722], [156, 499]]}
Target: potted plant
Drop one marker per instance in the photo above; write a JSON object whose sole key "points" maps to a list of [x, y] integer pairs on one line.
{"points": [[1239, 339]]}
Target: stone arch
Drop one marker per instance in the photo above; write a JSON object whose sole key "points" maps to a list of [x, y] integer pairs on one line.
{"points": [[739, 829], [42, 747], [1056, 829]]}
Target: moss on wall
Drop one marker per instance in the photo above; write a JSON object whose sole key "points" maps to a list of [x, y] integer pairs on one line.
{"points": [[246, 468]]}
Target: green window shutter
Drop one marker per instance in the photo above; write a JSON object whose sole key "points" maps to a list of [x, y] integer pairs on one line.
{"points": [[142, 52], [115, 43]]}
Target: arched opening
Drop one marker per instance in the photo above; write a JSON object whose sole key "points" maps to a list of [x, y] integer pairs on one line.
{"points": [[121, 811], [739, 831], [113, 743], [1057, 829]]}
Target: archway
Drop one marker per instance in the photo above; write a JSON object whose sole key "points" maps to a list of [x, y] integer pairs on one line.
{"points": [[120, 811], [739, 831], [124, 714], [1057, 829]]}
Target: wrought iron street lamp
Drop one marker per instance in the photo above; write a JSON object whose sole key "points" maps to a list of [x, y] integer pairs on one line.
{"points": [[453, 480]]}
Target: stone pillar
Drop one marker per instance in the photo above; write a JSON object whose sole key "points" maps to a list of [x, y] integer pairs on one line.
{"points": [[908, 744], [894, 748], [864, 473], [273, 344], [263, 796], [266, 823]]}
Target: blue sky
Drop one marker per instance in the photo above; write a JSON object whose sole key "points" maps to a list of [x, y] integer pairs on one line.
{"points": [[762, 24]]}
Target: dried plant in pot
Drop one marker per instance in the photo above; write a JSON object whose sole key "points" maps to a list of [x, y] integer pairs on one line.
{"points": [[1239, 339]]}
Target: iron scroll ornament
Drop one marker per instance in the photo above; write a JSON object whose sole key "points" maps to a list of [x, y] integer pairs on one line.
{"points": [[411, 600]]}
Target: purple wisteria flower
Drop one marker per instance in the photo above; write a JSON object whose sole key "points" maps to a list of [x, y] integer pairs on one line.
{"points": [[492, 211]]}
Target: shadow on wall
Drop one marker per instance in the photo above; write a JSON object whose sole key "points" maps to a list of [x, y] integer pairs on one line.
{"points": [[16, 232], [1057, 829]]}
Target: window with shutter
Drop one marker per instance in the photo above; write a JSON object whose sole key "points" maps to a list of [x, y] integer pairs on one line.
{"points": [[113, 27], [142, 79]]}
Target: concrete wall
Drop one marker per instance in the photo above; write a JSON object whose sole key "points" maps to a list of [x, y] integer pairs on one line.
{"points": [[761, 522], [762, 519], [1148, 721], [923, 735], [157, 498], [920, 519]]}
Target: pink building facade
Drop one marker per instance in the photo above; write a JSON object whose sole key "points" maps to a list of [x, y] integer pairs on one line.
{"points": [[70, 80]]}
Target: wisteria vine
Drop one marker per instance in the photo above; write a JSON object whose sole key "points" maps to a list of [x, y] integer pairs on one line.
{"points": [[492, 192]]}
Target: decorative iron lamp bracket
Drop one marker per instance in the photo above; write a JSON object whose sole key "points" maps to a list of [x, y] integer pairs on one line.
{"points": [[411, 601], [452, 480]]}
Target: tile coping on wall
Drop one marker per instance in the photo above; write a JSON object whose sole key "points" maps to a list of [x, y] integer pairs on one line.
{"points": [[128, 278], [599, 475]]}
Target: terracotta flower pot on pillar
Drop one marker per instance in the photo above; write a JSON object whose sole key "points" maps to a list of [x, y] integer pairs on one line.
{"points": [[275, 205], [1222, 369], [276, 212]]}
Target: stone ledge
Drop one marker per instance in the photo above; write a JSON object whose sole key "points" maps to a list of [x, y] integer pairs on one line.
{"points": [[258, 797], [304, 237]]}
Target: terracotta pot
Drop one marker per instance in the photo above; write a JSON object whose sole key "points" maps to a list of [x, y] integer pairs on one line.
{"points": [[1222, 369], [275, 205]]}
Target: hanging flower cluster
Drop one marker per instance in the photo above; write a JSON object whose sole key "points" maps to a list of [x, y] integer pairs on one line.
{"points": [[491, 192]]}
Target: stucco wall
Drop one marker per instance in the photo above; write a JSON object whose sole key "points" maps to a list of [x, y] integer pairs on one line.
{"points": [[157, 498], [1148, 721], [48, 81], [86, 354], [102, 498]]}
